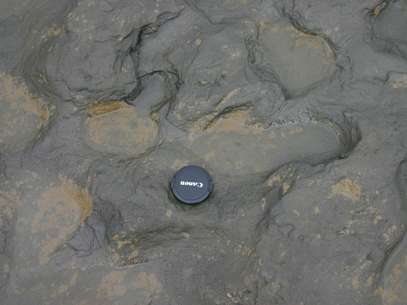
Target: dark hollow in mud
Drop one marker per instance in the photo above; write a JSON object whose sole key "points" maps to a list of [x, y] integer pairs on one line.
{"points": [[298, 109]]}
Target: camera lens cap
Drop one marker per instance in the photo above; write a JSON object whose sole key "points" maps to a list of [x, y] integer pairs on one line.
{"points": [[191, 184]]}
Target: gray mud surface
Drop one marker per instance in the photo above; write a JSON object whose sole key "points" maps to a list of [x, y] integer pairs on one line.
{"points": [[298, 109]]}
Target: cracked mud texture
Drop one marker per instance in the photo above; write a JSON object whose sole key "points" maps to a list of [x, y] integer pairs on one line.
{"points": [[298, 109]]}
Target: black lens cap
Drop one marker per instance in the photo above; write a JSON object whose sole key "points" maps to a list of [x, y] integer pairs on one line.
{"points": [[191, 184]]}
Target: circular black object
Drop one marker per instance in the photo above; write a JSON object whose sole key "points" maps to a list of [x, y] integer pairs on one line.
{"points": [[191, 184]]}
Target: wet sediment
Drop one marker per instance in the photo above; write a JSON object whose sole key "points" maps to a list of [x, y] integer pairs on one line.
{"points": [[296, 108]]}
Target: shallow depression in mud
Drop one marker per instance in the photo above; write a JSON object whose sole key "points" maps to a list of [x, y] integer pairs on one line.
{"points": [[232, 145]]}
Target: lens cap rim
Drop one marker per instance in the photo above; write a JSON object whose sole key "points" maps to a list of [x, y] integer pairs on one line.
{"points": [[191, 201]]}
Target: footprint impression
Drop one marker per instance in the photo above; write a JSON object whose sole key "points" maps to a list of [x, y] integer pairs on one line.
{"points": [[227, 118], [229, 115]]}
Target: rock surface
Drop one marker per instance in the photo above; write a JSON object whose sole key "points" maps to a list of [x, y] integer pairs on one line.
{"points": [[298, 109]]}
